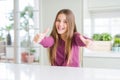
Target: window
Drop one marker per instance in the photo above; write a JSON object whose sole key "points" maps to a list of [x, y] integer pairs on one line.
{"points": [[6, 17], [108, 21], [19, 19]]}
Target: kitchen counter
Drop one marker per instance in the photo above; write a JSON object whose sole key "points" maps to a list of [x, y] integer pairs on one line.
{"points": [[37, 72], [110, 54], [101, 59]]}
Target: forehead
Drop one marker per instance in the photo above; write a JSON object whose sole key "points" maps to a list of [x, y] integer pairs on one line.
{"points": [[61, 16]]}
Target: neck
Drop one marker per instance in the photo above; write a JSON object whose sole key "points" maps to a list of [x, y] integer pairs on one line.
{"points": [[63, 37]]}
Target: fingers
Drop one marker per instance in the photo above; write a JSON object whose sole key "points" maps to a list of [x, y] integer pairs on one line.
{"points": [[89, 43], [39, 37], [36, 38], [83, 39], [86, 41]]}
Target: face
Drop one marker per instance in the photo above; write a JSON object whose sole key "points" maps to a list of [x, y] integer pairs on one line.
{"points": [[61, 24]]}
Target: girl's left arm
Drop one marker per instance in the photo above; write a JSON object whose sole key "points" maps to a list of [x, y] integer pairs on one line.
{"points": [[89, 43]]}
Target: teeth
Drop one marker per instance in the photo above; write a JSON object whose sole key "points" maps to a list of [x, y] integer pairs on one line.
{"points": [[61, 28]]}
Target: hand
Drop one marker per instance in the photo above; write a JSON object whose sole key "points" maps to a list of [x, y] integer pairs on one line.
{"points": [[38, 37], [87, 42]]}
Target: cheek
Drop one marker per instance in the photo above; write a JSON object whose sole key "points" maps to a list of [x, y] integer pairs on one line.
{"points": [[66, 27], [56, 24]]}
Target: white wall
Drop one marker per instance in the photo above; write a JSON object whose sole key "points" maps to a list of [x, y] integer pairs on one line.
{"points": [[50, 9], [86, 19], [103, 4]]}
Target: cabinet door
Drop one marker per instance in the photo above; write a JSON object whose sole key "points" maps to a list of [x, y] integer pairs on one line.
{"points": [[101, 62]]}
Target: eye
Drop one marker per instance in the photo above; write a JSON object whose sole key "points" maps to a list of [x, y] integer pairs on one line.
{"points": [[57, 20], [65, 21]]}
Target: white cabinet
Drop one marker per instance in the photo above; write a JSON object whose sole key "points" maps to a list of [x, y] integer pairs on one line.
{"points": [[101, 59]]}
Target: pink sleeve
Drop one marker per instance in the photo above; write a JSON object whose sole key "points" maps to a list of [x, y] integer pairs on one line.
{"points": [[47, 42], [77, 39]]}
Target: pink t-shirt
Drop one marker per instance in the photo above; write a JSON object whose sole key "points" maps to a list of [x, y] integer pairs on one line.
{"points": [[61, 57]]}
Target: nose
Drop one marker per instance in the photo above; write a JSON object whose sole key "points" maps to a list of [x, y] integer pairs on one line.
{"points": [[61, 23]]}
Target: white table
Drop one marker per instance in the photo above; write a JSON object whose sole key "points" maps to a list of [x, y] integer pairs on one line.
{"points": [[37, 72]]}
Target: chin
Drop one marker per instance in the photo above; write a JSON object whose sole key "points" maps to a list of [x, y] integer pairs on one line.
{"points": [[60, 32]]}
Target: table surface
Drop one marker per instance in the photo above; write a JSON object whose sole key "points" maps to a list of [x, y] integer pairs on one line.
{"points": [[10, 71]]}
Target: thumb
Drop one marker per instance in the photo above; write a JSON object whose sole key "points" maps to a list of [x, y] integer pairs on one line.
{"points": [[82, 38], [46, 31], [85, 41]]}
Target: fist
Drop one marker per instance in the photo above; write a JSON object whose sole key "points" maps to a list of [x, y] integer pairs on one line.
{"points": [[38, 37]]}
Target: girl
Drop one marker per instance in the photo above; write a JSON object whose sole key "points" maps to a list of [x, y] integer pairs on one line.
{"points": [[64, 40]]}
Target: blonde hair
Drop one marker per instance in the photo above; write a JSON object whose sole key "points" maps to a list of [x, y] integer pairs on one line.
{"points": [[70, 18]]}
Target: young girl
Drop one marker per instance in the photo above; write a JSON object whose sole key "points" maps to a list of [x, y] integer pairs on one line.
{"points": [[64, 40]]}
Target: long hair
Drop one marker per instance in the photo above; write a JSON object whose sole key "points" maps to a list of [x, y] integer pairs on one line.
{"points": [[70, 18]]}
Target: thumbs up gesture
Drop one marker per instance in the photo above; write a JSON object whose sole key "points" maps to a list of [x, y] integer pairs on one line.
{"points": [[89, 43], [38, 37]]}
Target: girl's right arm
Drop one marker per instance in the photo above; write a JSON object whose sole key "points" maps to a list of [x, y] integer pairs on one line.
{"points": [[38, 37], [43, 40], [47, 42]]}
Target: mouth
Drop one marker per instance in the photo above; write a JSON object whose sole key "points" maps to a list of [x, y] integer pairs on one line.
{"points": [[60, 28]]}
